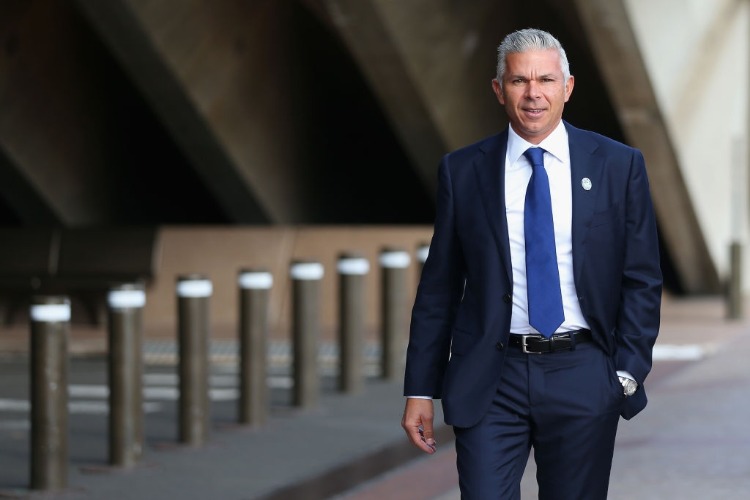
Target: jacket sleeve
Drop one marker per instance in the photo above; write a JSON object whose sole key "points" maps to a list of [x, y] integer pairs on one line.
{"points": [[638, 318], [438, 294]]}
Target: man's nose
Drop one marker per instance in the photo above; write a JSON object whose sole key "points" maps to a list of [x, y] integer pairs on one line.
{"points": [[533, 91]]}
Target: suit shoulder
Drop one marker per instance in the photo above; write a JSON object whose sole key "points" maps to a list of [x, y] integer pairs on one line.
{"points": [[469, 152], [602, 141]]}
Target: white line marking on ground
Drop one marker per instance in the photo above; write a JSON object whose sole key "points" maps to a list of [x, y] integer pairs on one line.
{"points": [[88, 391], [14, 405], [690, 352], [74, 407], [280, 382], [174, 379]]}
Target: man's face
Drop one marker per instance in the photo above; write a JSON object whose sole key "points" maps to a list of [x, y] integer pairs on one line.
{"points": [[534, 92]]}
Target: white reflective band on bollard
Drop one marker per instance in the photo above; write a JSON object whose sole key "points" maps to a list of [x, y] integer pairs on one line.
{"points": [[353, 265], [255, 280], [422, 253], [307, 271], [395, 259], [194, 288], [126, 299], [50, 313]]}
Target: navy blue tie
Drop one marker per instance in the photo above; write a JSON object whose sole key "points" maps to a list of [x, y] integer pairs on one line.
{"points": [[542, 275]]}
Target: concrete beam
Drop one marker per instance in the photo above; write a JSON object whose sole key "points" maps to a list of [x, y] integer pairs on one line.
{"points": [[22, 196], [366, 36], [690, 86], [162, 46], [428, 72], [615, 48], [450, 56], [51, 141]]}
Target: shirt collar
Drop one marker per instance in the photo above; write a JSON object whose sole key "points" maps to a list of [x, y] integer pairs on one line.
{"points": [[555, 144]]}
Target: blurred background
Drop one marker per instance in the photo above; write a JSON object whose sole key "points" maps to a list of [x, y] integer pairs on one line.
{"points": [[146, 141], [149, 138]]}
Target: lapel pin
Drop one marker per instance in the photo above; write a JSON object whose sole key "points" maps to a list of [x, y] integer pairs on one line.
{"points": [[586, 183]]}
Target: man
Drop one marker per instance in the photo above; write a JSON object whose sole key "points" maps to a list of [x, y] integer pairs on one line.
{"points": [[538, 306]]}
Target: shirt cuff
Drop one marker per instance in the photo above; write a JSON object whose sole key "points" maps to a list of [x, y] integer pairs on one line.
{"points": [[418, 397], [623, 373]]}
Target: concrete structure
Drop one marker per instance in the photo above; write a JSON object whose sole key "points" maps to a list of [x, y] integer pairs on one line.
{"points": [[691, 53], [220, 252], [123, 112], [690, 443]]}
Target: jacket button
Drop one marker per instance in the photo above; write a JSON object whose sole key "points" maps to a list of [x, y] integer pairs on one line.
{"points": [[499, 346], [507, 298]]}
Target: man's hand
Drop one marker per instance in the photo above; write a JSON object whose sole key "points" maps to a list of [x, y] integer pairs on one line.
{"points": [[417, 422]]}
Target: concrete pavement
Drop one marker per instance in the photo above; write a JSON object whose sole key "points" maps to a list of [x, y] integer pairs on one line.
{"points": [[691, 442]]}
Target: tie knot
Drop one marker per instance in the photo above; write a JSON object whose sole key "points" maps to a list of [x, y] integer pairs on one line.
{"points": [[535, 156]]}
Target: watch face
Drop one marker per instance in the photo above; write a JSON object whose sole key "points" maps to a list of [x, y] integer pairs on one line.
{"points": [[630, 387]]}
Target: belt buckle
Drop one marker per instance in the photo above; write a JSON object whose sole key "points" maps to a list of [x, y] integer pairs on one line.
{"points": [[524, 345]]}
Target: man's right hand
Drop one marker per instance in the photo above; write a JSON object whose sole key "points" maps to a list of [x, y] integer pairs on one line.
{"points": [[417, 422]]}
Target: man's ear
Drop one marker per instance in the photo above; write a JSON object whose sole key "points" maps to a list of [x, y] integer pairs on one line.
{"points": [[498, 90], [569, 87]]}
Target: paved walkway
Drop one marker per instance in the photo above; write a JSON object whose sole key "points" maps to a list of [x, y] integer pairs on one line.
{"points": [[691, 442]]}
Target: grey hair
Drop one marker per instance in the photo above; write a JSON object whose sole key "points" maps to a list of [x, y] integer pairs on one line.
{"points": [[525, 40]]}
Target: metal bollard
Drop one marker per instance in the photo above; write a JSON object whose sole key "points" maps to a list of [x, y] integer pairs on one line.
{"points": [[254, 291], [126, 374], [734, 286], [50, 326], [306, 278], [193, 292], [393, 311], [352, 270]]}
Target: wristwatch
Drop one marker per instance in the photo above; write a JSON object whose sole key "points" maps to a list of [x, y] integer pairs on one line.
{"points": [[628, 386]]}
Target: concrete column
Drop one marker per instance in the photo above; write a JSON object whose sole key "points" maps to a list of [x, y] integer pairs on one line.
{"points": [[50, 326], [734, 286], [126, 374], [193, 293], [306, 278], [394, 263], [352, 271], [255, 287], [738, 222]]}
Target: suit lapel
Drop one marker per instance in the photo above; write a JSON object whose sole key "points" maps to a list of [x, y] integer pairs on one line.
{"points": [[586, 169], [490, 170], [584, 164]]}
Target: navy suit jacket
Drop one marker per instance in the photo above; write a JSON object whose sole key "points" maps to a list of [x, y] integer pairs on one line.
{"points": [[461, 316]]}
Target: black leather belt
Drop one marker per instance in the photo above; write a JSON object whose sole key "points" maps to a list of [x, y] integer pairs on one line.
{"points": [[538, 344]]}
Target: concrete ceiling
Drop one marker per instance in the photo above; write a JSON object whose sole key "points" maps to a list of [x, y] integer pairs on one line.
{"points": [[299, 112]]}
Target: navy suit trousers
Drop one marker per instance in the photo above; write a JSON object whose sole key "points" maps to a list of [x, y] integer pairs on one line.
{"points": [[566, 406]]}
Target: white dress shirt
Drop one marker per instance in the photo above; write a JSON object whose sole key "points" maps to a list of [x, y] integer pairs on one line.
{"points": [[517, 175]]}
